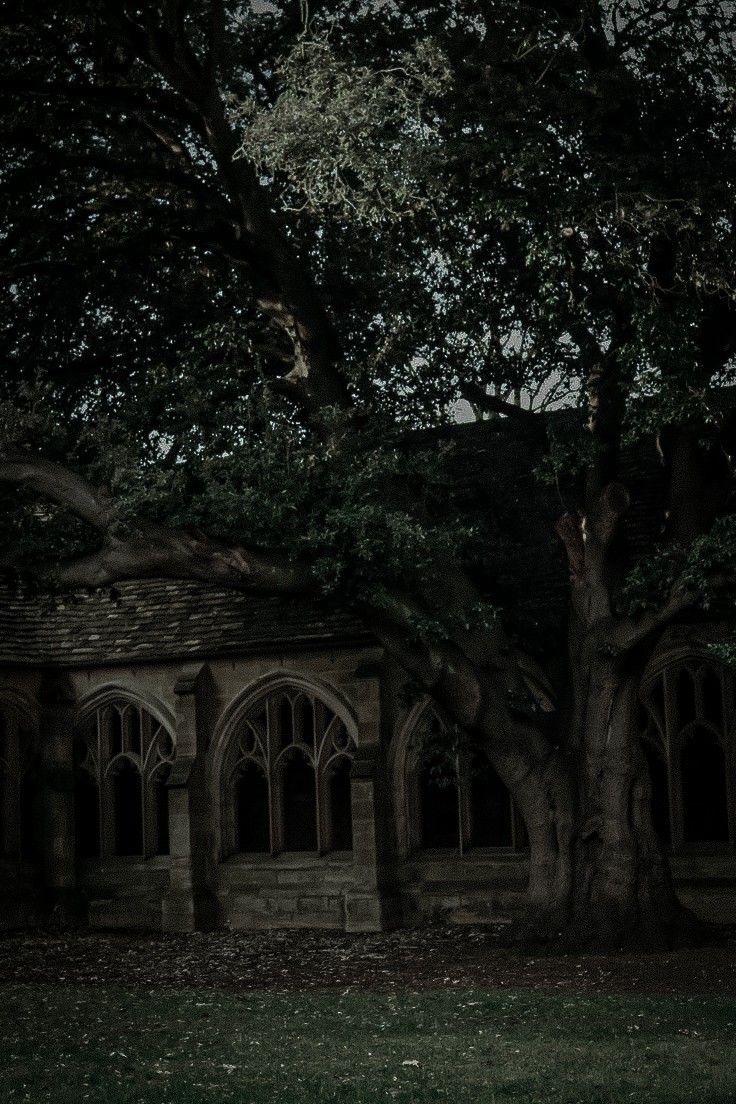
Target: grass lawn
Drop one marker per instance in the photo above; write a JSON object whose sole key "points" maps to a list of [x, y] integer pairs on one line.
{"points": [[71, 1043]]}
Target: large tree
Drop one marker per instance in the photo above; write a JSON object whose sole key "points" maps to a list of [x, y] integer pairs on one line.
{"points": [[251, 247]]}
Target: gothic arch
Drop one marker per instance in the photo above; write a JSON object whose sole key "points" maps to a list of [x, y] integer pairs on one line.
{"points": [[277, 750], [688, 731], [125, 745], [24, 706], [472, 794], [110, 692], [401, 760]]}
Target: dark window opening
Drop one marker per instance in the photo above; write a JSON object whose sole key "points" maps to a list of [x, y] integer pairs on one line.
{"points": [[161, 813], [86, 816], [341, 817], [685, 696], [712, 697], [490, 807], [285, 722], [116, 733], [299, 805], [134, 728], [704, 801], [128, 810], [304, 720], [251, 810], [657, 698], [660, 794], [438, 801]]}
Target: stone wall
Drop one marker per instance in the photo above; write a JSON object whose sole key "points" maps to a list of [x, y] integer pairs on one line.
{"points": [[384, 882]]}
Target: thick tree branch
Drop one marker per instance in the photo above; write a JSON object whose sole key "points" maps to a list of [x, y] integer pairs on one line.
{"points": [[106, 97], [587, 539], [283, 286], [475, 394], [626, 634], [156, 550], [569, 530], [135, 549], [91, 504]]}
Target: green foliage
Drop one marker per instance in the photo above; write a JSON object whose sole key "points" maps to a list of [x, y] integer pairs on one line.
{"points": [[706, 568], [357, 141], [725, 651]]}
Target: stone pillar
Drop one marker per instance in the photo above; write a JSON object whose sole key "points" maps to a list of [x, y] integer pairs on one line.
{"points": [[63, 903], [190, 903], [369, 906]]}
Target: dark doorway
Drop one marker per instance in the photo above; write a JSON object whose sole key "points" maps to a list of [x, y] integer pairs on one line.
{"points": [[128, 810], [251, 810], [341, 816], [299, 805]]}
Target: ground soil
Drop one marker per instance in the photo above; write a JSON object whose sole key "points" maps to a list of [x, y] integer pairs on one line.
{"points": [[409, 959]]}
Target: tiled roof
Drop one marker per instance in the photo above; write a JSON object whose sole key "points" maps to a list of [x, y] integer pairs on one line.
{"points": [[150, 619]]}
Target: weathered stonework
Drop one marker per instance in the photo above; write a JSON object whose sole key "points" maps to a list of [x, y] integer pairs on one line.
{"points": [[198, 695]]}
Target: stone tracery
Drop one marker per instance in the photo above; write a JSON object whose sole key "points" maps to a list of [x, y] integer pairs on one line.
{"points": [[453, 797], [687, 726], [285, 780], [123, 756]]}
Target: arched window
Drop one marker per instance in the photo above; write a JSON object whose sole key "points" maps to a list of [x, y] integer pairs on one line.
{"points": [[286, 777], [454, 797], [123, 756], [687, 731], [20, 813]]}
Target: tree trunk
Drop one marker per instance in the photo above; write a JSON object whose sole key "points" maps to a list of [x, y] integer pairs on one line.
{"points": [[598, 873]]}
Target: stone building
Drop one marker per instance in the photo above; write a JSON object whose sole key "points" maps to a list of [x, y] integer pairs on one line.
{"points": [[174, 756]]}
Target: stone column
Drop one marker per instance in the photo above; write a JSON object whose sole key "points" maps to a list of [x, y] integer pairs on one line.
{"points": [[190, 903], [63, 904], [370, 906]]}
